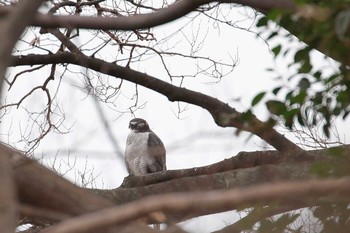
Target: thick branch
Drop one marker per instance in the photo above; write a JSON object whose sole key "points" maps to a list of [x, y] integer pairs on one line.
{"points": [[40, 187], [209, 202], [241, 160], [165, 15], [222, 113], [140, 21], [217, 181], [265, 5], [247, 168], [7, 197]]}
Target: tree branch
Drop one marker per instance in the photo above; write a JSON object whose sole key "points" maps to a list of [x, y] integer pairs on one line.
{"points": [[40, 187], [8, 196], [266, 5], [257, 215], [139, 21], [217, 181], [208, 202], [239, 161], [222, 113], [247, 168], [11, 28]]}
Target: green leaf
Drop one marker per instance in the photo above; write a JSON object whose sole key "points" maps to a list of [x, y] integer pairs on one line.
{"points": [[326, 130], [291, 113], [317, 75], [317, 99], [276, 90], [332, 78], [306, 67], [289, 95], [273, 34], [304, 84], [262, 22], [276, 107], [289, 117], [343, 97], [301, 55], [276, 50], [258, 98], [300, 119], [299, 98], [336, 111]]}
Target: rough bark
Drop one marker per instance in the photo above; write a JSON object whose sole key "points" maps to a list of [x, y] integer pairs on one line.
{"points": [[201, 203], [8, 195], [47, 197], [41, 188], [62, 196], [223, 180]]}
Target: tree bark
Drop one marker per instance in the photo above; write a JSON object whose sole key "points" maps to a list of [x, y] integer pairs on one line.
{"points": [[41, 188], [8, 203]]}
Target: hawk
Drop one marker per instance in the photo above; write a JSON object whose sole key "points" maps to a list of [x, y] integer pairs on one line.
{"points": [[144, 152]]}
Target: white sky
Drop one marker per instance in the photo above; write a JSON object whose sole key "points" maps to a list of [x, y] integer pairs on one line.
{"points": [[193, 140]]}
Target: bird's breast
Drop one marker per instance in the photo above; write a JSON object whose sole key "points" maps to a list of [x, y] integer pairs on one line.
{"points": [[137, 138], [136, 144]]}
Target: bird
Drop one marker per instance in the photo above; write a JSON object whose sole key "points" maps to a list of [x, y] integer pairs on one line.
{"points": [[144, 151]]}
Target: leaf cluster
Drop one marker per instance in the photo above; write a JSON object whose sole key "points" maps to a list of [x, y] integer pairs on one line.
{"points": [[312, 95]]}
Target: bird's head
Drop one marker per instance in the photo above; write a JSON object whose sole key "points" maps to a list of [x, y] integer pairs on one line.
{"points": [[139, 125]]}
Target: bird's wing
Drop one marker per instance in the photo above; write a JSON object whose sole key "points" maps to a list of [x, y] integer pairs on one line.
{"points": [[156, 150]]}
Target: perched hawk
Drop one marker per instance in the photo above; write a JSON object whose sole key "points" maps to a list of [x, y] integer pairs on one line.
{"points": [[145, 152]]}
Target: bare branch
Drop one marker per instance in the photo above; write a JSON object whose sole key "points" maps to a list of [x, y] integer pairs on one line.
{"points": [[174, 11], [11, 29], [139, 21], [222, 113]]}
